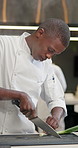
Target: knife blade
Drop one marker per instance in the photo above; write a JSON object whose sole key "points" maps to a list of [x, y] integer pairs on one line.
{"points": [[45, 127]]}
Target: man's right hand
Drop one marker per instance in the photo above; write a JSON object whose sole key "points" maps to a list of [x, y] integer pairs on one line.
{"points": [[26, 106]]}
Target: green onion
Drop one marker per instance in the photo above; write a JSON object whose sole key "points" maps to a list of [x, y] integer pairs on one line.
{"points": [[69, 130]]}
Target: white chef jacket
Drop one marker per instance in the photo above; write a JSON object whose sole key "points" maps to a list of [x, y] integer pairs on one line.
{"points": [[19, 71]]}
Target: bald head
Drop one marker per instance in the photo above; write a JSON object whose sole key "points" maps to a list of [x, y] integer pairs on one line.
{"points": [[56, 28]]}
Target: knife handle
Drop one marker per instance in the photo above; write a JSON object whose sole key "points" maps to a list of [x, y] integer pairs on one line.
{"points": [[16, 102]]}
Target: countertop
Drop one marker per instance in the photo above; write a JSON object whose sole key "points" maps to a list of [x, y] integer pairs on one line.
{"points": [[8, 141]]}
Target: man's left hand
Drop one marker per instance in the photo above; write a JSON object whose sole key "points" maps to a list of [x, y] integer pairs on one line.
{"points": [[52, 122]]}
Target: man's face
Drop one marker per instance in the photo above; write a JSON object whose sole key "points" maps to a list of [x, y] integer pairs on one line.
{"points": [[45, 47]]}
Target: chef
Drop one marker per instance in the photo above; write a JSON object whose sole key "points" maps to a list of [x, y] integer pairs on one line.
{"points": [[26, 73]]}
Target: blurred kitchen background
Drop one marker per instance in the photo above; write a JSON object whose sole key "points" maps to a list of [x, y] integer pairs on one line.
{"points": [[32, 13]]}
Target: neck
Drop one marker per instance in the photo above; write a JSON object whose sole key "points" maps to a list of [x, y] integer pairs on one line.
{"points": [[29, 42]]}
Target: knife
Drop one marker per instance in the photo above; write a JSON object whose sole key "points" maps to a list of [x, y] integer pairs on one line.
{"points": [[40, 123], [45, 127]]}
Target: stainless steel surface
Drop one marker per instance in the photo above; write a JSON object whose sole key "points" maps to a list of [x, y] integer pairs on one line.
{"points": [[45, 127]]}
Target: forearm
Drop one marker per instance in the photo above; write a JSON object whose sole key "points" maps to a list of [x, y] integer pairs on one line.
{"points": [[7, 94], [53, 120], [57, 113]]}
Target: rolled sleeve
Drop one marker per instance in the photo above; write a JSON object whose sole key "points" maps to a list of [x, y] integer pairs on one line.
{"points": [[53, 93], [51, 105]]}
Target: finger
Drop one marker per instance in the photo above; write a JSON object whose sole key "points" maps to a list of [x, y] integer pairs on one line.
{"points": [[29, 107], [52, 122], [28, 114], [49, 119], [33, 114], [55, 125], [25, 108], [25, 112]]}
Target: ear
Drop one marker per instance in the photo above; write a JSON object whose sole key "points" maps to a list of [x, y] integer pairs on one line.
{"points": [[39, 32]]}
